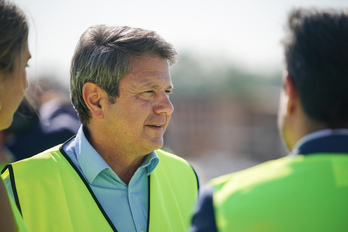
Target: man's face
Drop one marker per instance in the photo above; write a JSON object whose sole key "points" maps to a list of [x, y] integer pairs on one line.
{"points": [[142, 111]]}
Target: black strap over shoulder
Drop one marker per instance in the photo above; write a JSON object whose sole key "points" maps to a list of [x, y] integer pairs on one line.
{"points": [[13, 184], [87, 186], [197, 179]]}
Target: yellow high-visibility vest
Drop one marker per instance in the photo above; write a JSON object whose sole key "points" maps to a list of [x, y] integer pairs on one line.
{"points": [[53, 196], [18, 220], [301, 193]]}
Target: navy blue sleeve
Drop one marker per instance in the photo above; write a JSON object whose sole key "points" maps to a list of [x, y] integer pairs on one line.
{"points": [[203, 219]]}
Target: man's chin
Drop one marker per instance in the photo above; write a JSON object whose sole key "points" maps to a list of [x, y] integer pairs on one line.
{"points": [[157, 144]]}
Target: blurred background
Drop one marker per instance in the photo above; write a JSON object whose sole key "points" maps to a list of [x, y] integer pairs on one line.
{"points": [[227, 81]]}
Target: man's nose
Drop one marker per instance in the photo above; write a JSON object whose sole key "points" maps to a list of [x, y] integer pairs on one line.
{"points": [[163, 104]]}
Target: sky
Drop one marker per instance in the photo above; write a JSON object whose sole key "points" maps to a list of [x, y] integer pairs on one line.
{"points": [[246, 32]]}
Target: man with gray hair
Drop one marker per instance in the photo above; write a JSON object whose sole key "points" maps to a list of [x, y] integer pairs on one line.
{"points": [[112, 176]]}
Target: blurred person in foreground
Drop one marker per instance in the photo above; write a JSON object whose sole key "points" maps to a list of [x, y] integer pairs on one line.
{"points": [[112, 175], [308, 189], [14, 55], [5, 154], [37, 127]]}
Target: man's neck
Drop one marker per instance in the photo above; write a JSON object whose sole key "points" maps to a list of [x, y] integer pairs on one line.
{"points": [[302, 127], [123, 166], [123, 162]]}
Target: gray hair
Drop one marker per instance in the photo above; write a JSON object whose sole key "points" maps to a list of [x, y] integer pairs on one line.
{"points": [[103, 56]]}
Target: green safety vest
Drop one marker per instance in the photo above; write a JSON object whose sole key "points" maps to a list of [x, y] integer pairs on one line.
{"points": [[53, 196], [301, 193], [18, 220]]}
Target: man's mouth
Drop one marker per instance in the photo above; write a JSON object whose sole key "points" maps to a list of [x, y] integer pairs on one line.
{"points": [[158, 126]]}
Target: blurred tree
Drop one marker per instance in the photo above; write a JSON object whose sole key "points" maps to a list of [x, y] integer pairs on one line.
{"points": [[196, 75]]}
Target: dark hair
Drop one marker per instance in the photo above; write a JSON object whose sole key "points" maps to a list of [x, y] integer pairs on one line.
{"points": [[13, 34], [103, 56], [316, 53]]}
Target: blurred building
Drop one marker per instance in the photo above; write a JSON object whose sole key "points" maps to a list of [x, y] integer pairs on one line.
{"points": [[223, 134]]}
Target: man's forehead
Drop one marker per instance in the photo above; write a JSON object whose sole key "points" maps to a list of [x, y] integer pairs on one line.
{"points": [[156, 82]]}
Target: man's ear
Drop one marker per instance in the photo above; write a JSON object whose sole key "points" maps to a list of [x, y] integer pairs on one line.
{"points": [[291, 92], [93, 96]]}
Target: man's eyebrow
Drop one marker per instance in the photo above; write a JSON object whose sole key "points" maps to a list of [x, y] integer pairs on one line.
{"points": [[155, 86]]}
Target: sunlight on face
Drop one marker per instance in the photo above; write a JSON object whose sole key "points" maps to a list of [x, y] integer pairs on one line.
{"points": [[140, 116]]}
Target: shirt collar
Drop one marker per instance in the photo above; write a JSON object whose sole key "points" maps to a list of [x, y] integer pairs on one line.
{"points": [[317, 135], [150, 162], [92, 164]]}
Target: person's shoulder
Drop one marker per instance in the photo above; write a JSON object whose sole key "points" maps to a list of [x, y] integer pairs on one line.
{"points": [[170, 163], [170, 156], [42, 165], [260, 173], [46, 155]]}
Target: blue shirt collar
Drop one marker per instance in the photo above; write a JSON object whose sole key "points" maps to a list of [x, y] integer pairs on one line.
{"points": [[92, 164], [328, 140]]}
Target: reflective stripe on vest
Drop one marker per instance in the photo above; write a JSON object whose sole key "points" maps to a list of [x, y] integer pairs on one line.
{"points": [[54, 197]]}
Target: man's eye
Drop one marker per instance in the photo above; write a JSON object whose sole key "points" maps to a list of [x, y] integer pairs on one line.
{"points": [[148, 93]]}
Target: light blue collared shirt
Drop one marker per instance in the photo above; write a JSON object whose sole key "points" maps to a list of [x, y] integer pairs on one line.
{"points": [[126, 206]]}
